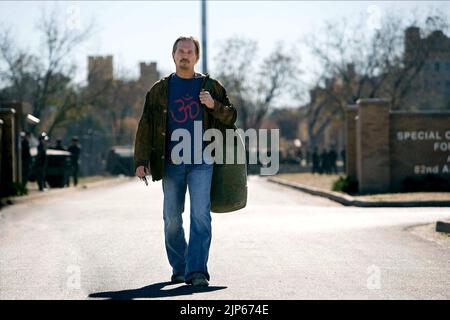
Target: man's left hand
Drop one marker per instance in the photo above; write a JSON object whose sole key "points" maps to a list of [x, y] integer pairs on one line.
{"points": [[206, 99]]}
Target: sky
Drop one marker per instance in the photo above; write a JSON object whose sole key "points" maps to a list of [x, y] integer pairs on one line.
{"points": [[135, 31]]}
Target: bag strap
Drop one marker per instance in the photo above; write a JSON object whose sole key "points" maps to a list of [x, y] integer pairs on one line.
{"points": [[208, 85]]}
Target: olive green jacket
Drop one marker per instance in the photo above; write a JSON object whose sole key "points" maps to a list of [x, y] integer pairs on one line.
{"points": [[149, 148]]}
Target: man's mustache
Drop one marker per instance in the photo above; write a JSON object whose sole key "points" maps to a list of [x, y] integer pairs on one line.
{"points": [[184, 60]]}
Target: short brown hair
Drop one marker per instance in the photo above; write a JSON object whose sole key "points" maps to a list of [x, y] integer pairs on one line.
{"points": [[190, 38]]}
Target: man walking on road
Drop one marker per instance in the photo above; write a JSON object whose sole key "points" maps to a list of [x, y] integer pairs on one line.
{"points": [[178, 101]]}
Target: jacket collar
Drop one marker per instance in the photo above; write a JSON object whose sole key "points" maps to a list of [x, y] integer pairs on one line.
{"points": [[167, 77], [165, 80], [165, 86]]}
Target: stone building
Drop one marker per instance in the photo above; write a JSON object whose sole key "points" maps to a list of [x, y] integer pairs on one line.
{"points": [[431, 54], [118, 108], [426, 60], [148, 74], [100, 69], [322, 120]]}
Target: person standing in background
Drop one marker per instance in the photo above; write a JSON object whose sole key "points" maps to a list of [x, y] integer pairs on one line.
{"points": [[59, 145], [75, 151], [41, 161], [26, 158]]}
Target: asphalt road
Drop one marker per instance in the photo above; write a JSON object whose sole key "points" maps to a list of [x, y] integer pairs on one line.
{"points": [[108, 243]]}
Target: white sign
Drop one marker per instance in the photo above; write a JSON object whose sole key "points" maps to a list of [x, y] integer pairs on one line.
{"points": [[441, 143]]}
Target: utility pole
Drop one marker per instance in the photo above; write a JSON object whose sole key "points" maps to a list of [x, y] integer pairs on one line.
{"points": [[204, 42]]}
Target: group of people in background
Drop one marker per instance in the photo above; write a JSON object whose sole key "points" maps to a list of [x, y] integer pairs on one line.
{"points": [[38, 167], [325, 161]]}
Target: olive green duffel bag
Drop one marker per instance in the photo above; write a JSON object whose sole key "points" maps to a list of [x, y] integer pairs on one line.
{"points": [[229, 181]]}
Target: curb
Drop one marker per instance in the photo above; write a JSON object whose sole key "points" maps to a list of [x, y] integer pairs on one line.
{"points": [[62, 191], [348, 200], [442, 226]]}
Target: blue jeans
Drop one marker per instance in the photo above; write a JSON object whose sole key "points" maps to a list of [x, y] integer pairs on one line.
{"points": [[187, 259]]}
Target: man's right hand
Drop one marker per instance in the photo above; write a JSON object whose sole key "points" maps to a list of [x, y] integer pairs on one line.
{"points": [[140, 171]]}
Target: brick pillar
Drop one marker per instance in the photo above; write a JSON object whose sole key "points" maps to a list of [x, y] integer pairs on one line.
{"points": [[350, 140], [372, 146], [9, 151]]}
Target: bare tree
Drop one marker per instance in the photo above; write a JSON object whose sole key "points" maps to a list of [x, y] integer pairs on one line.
{"points": [[59, 41], [254, 88], [355, 63], [37, 79], [16, 69]]}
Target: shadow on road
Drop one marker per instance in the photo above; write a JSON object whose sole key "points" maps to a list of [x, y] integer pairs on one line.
{"points": [[154, 291]]}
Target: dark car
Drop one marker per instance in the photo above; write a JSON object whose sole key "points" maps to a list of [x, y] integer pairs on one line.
{"points": [[58, 167], [120, 160]]}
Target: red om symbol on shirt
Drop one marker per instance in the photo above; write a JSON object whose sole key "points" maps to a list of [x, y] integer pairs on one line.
{"points": [[187, 106]]}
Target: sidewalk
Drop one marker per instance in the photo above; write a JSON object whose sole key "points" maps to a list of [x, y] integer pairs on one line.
{"points": [[428, 232], [320, 185], [83, 184]]}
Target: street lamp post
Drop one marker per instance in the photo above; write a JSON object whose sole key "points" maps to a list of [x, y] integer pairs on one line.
{"points": [[204, 42]]}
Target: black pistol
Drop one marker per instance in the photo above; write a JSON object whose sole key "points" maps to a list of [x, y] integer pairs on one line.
{"points": [[145, 180]]}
